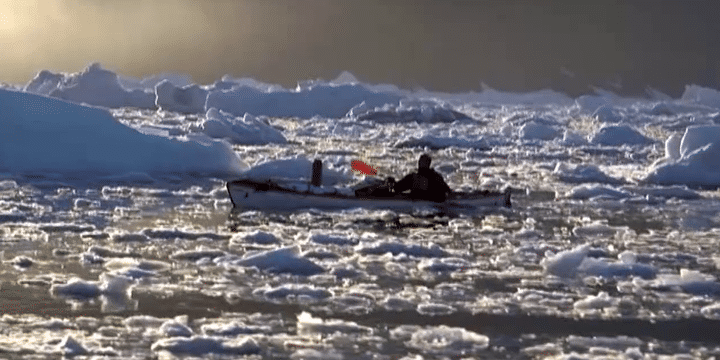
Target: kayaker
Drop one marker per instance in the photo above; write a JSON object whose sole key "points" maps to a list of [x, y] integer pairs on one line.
{"points": [[425, 184]]}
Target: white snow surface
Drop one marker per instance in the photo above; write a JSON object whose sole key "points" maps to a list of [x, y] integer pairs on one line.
{"points": [[42, 134]]}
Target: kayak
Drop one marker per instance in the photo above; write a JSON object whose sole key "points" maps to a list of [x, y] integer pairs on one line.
{"points": [[270, 196]]}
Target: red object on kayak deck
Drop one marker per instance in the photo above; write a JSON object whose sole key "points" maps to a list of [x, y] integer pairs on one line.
{"points": [[362, 167]]}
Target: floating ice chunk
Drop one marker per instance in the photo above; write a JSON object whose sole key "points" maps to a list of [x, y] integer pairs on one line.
{"points": [[142, 321], [115, 285], [694, 163], [573, 138], [597, 228], [205, 345], [312, 354], [178, 80], [337, 239], [176, 327], [94, 144], [536, 131], [600, 267], [711, 311], [434, 309], [247, 130], [436, 142], [325, 100], [233, 329], [199, 253], [44, 83], [583, 192], [308, 325], [616, 135], [187, 99], [149, 83], [345, 77], [443, 264], [571, 173], [691, 281], [172, 234], [672, 146], [71, 347], [407, 111], [701, 95], [590, 103], [134, 273], [284, 260], [257, 237], [396, 248], [443, 338], [600, 301], [121, 238], [142, 264], [676, 191], [100, 87], [283, 291], [565, 263], [697, 137], [492, 96], [607, 114], [249, 82]]}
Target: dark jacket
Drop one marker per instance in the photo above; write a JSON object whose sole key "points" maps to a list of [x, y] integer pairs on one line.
{"points": [[426, 184]]}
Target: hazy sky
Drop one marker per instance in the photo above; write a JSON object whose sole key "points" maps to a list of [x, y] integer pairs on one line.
{"points": [[435, 44]]}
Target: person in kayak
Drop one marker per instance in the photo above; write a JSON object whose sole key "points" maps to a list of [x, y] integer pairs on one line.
{"points": [[425, 184]]}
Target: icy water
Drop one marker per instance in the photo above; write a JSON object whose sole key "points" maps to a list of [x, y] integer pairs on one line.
{"points": [[154, 271]]}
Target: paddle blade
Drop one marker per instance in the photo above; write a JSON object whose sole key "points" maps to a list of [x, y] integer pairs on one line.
{"points": [[362, 167]]}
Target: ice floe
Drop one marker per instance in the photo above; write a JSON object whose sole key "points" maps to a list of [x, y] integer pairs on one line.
{"points": [[293, 291], [573, 262], [440, 339], [396, 248], [283, 260], [186, 99], [207, 346], [538, 131], [257, 237], [324, 100], [572, 173], [407, 111], [701, 95], [693, 161], [690, 281], [617, 135], [93, 143], [441, 142], [246, 130], [93, 86], [307, 324]]}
